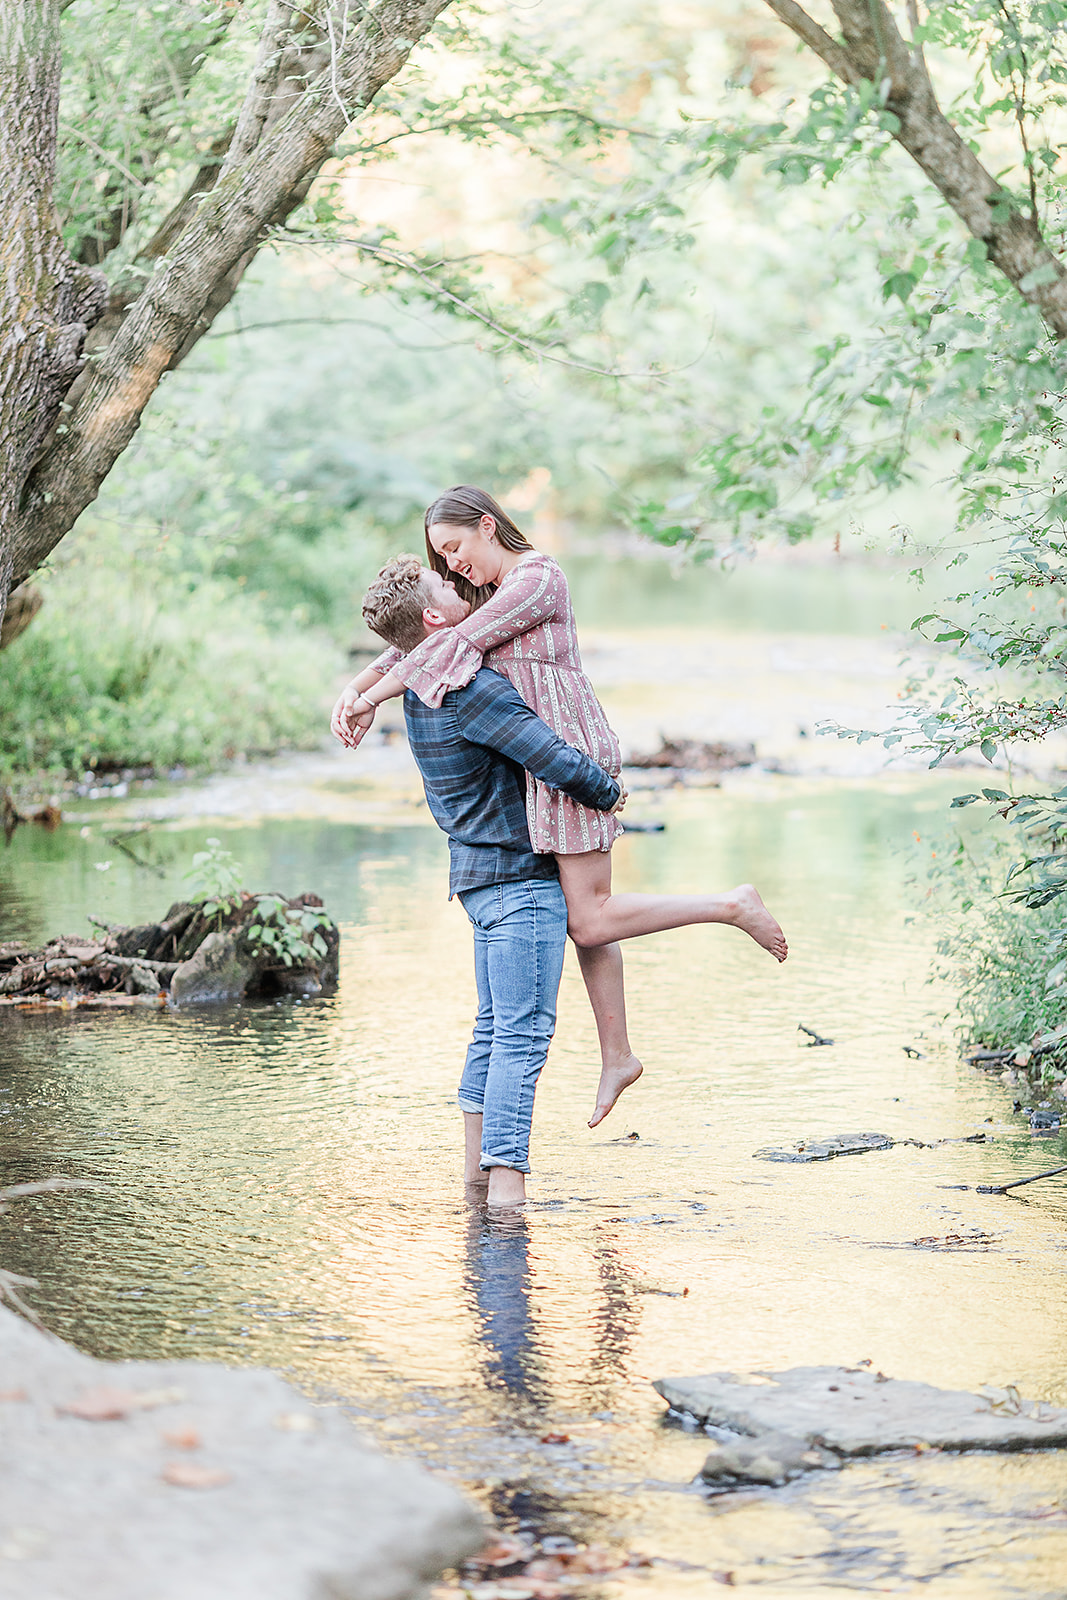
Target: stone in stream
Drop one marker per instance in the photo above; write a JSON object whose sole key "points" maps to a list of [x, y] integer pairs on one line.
{"points": [[789, 1420], [186, 1481], [839, 1144], [219, 971]]}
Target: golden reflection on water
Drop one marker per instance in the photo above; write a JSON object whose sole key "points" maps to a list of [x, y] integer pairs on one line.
{"points": [[279, 1185]]}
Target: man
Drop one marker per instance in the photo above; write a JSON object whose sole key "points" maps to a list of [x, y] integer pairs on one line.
{"points": [[472, 752]]}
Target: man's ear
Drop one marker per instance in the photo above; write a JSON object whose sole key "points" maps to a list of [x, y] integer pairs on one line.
{"points": [[432, 619]]}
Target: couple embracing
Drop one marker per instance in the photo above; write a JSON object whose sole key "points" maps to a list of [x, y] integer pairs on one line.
{"points": [[520, 770]]}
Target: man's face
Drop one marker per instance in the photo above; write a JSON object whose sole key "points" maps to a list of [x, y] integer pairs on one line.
{"points": [[446, 602]]}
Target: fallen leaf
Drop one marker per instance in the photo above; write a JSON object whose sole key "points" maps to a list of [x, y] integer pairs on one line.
{"points": [[102, 1405], [555, 1438], [502, 1552], [111, 1405], [295, 1422], [183, 1439], [187, 1475], [594, 1559], [550, 1567]]}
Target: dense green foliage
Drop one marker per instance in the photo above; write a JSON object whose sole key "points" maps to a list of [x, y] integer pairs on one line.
{"points": [[1000, 958], [140, 657]]}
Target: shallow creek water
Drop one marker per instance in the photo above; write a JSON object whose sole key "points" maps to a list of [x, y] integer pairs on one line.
{"points": [[278, 1185]]}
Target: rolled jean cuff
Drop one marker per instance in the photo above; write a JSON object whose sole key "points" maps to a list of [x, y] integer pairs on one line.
{"points": [[475, 1108], [488, 1162]]}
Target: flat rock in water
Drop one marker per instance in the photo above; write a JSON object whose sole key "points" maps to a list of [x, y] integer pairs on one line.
{"points": [[181, 1480], [861, 1413], [838, 1144]]}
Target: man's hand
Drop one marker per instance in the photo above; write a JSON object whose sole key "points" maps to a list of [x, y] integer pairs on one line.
{"points": [[621, 801], [348, 724]]}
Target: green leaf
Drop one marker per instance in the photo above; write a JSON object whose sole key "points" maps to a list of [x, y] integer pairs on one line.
{"points": [[989, 749], [900, 284], [963, 800]]}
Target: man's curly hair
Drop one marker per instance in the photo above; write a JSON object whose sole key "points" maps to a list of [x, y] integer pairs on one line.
{"points": [[394, 603]]}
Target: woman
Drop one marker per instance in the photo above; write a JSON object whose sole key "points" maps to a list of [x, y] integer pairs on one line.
{"points": [[522, 625]]}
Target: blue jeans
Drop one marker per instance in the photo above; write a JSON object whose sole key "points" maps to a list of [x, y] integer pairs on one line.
{"points": [[520, 932]]}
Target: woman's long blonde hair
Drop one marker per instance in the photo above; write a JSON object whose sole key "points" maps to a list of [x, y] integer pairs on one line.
{"points": [[464, 507]]}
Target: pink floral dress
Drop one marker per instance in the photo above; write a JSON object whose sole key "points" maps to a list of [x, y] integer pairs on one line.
{"points": [[526, 633]]}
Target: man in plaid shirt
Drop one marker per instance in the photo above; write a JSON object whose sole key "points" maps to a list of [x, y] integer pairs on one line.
{"points": [[473, 752]]}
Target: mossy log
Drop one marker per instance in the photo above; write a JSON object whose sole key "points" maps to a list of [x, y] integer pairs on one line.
{"points": [[187, 958]]}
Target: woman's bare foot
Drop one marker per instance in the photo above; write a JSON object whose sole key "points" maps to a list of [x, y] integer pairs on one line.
{"points": [[753, 918], [615, 1076]]}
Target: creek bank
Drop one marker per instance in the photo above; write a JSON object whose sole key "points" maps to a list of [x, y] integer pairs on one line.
{"points": [[808, 1418], [262, 946], [182, 1480]]}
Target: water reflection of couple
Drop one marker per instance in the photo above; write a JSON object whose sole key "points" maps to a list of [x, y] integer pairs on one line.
{"points": [[531, 859]]}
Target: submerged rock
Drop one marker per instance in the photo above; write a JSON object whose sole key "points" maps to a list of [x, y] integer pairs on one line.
{"points": [[182, 1480], [773, 1458], [789, 1420]]}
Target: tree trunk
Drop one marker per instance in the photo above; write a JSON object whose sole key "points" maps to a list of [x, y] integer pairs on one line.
{"points": [[300, 98], [47, 301]]}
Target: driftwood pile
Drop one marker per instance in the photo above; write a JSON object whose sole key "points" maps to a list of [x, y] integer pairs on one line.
{"points": [[187, 958], [1028, 1056], [693, 755]]}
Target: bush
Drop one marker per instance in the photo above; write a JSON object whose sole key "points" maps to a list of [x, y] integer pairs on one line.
{"points": [[139, 659], [1004, 959]]}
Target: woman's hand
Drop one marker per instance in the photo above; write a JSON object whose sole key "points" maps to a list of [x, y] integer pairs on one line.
{"points": [[347, 723], [360, 721]]}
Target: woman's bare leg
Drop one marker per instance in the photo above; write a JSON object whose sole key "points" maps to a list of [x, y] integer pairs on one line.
{"points": [[602, 974], [596, 916]]}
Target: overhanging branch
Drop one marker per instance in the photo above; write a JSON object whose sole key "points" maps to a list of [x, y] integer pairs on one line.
{"points": [[873, 51]]}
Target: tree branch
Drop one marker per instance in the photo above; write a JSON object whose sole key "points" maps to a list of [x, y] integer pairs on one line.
{"points": [[201, 269], [506, 121], [874, 52]]}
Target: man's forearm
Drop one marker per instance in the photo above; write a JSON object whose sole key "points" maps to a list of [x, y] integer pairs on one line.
{"points": [[505, 723]]}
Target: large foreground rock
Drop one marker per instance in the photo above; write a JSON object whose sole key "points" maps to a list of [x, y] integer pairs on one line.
{"points": [[790, 1417], [183, 1481]]}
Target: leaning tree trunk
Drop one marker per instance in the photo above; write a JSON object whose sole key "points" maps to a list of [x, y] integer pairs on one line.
{"points": [[302, 94], [47, 301]]}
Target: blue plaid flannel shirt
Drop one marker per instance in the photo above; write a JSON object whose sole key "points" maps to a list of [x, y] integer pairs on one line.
{"points": [[473, 752]]}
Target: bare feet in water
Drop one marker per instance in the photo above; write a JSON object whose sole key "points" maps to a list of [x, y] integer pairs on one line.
{"points": [[753, 918], [615, 1076]]}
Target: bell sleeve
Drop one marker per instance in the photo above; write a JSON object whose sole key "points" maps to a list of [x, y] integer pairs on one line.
{"points": [[528, 597]]}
